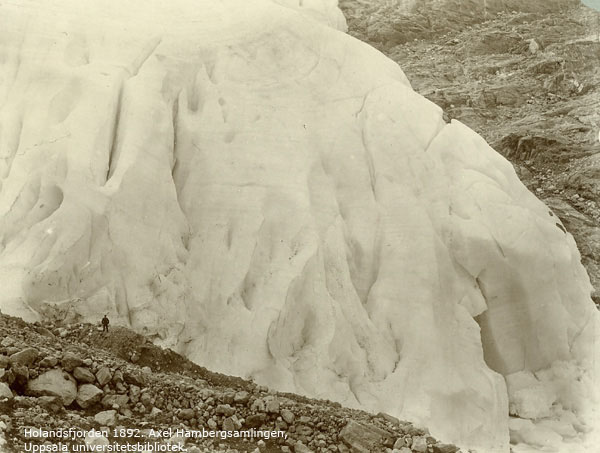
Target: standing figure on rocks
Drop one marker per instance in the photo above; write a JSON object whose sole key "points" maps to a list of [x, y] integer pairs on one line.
{"points": [[105, 323]]}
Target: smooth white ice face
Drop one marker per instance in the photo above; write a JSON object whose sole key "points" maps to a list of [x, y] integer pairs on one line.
{"points": [[271, 198]]}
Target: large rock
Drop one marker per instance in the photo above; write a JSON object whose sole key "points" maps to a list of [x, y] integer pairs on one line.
{"points": [[96, 441], [7, 376], [21, 375], [255, 420], [288, 416], [241, 397], [445, 448], [272, 405], [224, 409], [26, 357], [186, 414], [299, 447], [364, 438], [88, 395], [106, 418], [134, 378], [271, 196], [83, 375], [103, 376], [5, 391], [118, 401], [54, 383], [389, 418], [419, 445], [48, 362], [70, 361]]}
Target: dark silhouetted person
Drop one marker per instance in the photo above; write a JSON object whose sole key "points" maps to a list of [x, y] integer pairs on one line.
{"points": [[105, 323]]}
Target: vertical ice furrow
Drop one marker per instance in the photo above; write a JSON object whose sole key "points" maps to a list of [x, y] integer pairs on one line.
{"points": [[10, 68], [146, 52], [114, 143], [10, 141]]}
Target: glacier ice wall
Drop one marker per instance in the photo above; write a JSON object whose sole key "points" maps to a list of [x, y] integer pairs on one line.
{"points": [[270, 197]]}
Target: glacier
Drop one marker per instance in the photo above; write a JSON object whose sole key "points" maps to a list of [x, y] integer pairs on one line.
{"points": [[252, 187]]}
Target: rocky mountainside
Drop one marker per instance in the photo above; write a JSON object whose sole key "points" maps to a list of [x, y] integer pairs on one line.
{"points": [[393, 22], [270, 198], [525, 77], [76, 377]]}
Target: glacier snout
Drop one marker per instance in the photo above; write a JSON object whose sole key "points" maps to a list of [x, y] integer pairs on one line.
{"points": [[271, 198]]}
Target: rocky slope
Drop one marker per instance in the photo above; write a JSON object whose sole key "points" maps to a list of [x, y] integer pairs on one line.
{"points": [[61, 377], [392, 22], [269, 197], [526, 78]]}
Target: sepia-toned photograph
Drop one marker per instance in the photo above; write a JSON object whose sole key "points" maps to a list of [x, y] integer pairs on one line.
{"points": [[300, 226]]}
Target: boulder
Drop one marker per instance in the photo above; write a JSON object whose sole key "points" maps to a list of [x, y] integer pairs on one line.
{"points": [[186, 414], [177, 442], [299, 447], [83, 375], [70, 361], [54, 383], [445, 448], [21, 374], [364, 438], [95, 441], [103, 376], [88, 395], [288, 416], [304, 430], [272, 405], [111, 401], [280, 425], [4, 360], [231, 423], [134, 378], [5, 391], [241, 397], [26, 357], [44, 332], [389, 418], [106, 418], [228, 425], [419, 445], [146, 399], [117, 377], [48, 362], [258, 405], [400, 443], [228, 397], [225, 409], [134, 393], [7, 376], [255, 421]]}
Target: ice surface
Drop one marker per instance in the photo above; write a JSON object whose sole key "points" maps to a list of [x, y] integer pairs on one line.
{"points": [[268, 196]]}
